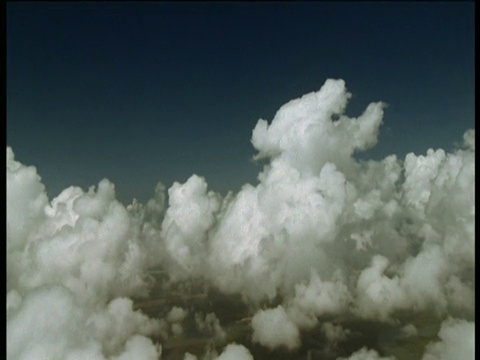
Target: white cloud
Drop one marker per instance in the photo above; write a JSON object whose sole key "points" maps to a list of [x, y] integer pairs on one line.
{"points": [[272, 328], [457, 341], [235, 352], [366, 354]]}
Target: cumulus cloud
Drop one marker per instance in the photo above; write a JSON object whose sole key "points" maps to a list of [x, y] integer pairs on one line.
{"points": [[210, 324], [235, 352], [272, 328], [366, 354], [176, 316], [71, 263], [50, 323], [189, 356], [322, 235], [318, 298], [188, 218], [409, 330], [457, 341], [334, 333], [87, 247]]}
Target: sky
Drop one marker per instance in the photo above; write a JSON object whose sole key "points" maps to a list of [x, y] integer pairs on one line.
{"points": [[157, 91]]}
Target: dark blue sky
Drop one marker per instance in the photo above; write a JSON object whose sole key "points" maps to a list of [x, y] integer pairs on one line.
{"points": [[146, 92]]}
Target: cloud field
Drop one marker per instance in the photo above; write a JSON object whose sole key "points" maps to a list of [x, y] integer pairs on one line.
{"points": [[323, 242]]}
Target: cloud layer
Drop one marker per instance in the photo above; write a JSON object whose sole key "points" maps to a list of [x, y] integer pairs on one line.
{"points": [[321, 235]]}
